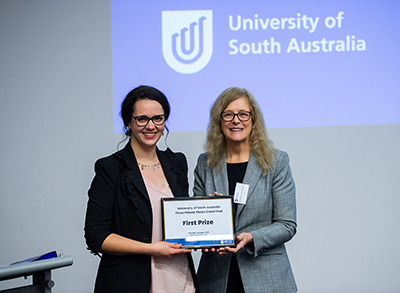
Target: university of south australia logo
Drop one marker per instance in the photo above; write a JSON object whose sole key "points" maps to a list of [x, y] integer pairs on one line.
{"points": [[187, 39]]}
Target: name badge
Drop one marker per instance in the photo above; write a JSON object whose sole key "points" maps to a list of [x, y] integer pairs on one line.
{"points": [[241, 191]]}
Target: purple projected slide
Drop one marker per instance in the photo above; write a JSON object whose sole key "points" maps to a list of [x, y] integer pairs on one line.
{"points": [[308, 63]]}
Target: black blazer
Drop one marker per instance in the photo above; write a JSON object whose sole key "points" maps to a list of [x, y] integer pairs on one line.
{"points": [[119, 203]]}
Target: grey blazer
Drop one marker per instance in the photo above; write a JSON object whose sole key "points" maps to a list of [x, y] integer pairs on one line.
{"points": [[269, 215]]}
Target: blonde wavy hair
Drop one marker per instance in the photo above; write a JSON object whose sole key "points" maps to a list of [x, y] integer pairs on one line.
{"points": [[260, 145]]}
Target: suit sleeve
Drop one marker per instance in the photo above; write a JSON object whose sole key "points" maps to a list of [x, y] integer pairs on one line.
{"points": [[283, 226], [100, 207]]}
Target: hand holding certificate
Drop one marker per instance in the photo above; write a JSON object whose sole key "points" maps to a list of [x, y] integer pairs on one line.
{"points": [[198, 222]]}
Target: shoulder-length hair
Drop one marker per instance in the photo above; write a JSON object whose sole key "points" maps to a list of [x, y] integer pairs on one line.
{"points": [[260, 145]]}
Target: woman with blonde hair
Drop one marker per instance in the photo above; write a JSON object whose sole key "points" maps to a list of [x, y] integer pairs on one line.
{"points": [[240, 152]]}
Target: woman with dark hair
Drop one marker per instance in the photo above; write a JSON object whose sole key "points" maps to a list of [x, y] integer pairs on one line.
{"points": [[123, 218], [239, 151]]}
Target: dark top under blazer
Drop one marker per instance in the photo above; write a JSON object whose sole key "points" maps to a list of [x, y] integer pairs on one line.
{"points": [[119, 203]]}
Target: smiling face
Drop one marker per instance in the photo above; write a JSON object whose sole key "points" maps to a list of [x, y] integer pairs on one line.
{"points": [[147, 136], [236, 131]]}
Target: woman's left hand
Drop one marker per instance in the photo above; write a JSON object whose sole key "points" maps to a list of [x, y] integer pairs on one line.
{"points": [[242, 239]]}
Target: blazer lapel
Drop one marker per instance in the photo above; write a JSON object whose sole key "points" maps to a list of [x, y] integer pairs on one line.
{"points": [[220, 176], [136, 178], [252, 175], [167, 169], [134, 174]]}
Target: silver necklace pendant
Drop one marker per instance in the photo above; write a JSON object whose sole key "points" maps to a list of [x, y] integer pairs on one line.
{"points": [[149, 167]]}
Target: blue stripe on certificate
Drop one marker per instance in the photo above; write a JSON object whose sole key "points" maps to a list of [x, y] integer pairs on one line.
{"points": [[185, 242]]}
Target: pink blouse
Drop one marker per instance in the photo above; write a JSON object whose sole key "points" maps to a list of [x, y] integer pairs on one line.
{"points": [[167, 274]]}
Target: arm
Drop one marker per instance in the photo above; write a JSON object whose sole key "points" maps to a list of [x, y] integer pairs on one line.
{"points": [[119, 245], [283, 226], [99, 218], [282, 214], [99, 213]]}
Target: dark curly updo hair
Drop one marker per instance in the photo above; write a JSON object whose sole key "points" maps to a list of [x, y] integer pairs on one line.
{"points": [[142, 92]]}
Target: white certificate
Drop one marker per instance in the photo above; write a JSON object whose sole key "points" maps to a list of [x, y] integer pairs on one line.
{"points": [[199, 221]]}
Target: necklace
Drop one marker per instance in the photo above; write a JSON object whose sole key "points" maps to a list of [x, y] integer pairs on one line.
{"points": [[148, 167]]}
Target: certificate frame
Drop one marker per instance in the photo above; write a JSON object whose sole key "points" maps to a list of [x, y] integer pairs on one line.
{"points": [[199, 222]]}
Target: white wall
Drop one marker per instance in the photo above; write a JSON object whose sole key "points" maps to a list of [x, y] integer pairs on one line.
{"points": [[56, 120]]}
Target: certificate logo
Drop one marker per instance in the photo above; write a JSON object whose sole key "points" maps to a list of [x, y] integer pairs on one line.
{"points": [[187, 39]]}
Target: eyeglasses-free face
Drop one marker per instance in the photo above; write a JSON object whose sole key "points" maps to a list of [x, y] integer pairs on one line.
{"points": [[142, 121], [243, 116]]}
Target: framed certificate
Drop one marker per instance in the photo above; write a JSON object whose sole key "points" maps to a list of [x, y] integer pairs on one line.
{"points": [[197, 222]]}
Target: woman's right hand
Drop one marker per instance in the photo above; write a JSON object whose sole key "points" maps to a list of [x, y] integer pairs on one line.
{"points": [[215, 194], [166, 249], [206, 250]]}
